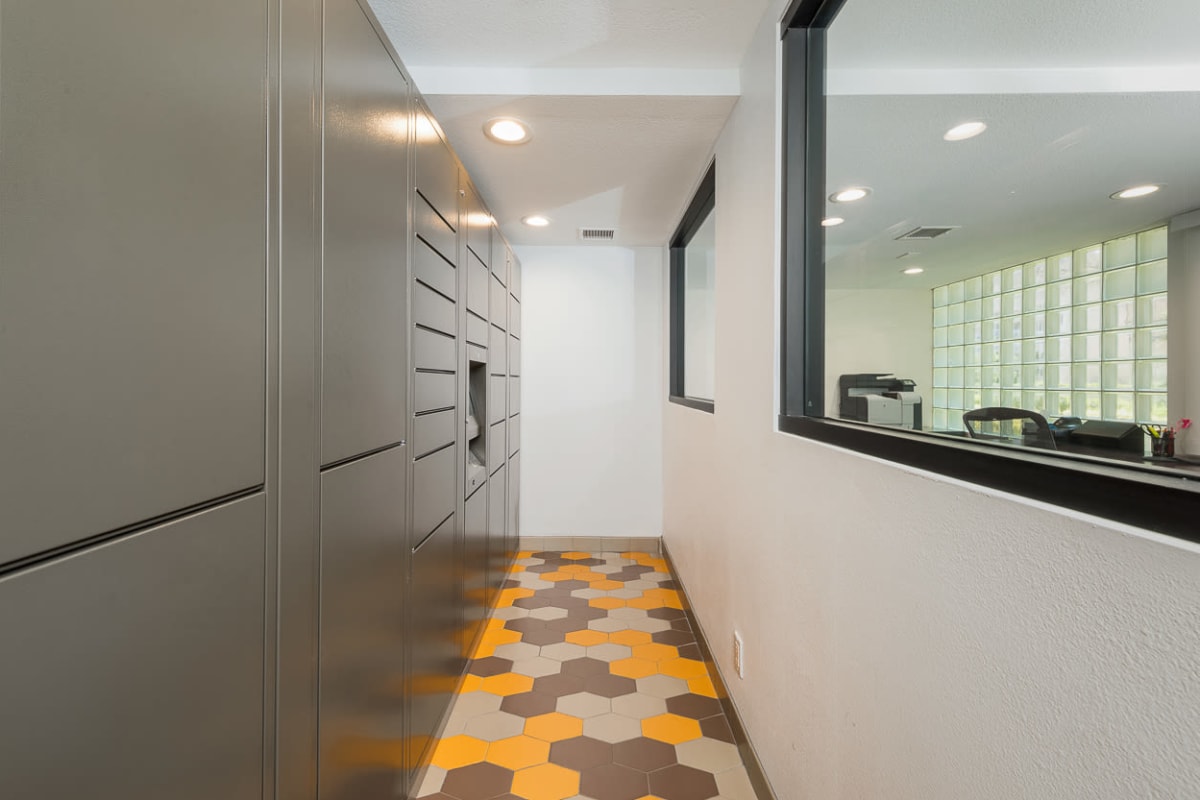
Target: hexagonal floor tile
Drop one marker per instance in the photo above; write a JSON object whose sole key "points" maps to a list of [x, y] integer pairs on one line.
{"points": [[627, 613], [684, 668], [717, 728], [613, 782], [655, 652], [518, 752], [610, 685], [633, 668], [558, 685], [671, 728], [431, 781], [644, 754], [696, 706], [683, 783], [702, 685], [477, 782], [588, 593], [649, 624], [609, 652], [510, 613], [583, 705], [506, 684], [458, 751], [625, 593], [528, 704], [542, 636], [673, 637], [630, 638], [638, 706], [587, 637], [545, 782], [581, 753], [608, 625], [535, 602], [667, 613], [495, 726], [517, 651], [662, 686], [468, 706], [486, 667], [707, 754], [611, 728], [691, 651], [525, 624], [548, 613], [735, 784], [563, 651], [537, 667], [553, 727], [584, 667]]}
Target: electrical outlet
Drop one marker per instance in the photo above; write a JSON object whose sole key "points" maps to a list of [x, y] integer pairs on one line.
{"points": [[738, 663]]}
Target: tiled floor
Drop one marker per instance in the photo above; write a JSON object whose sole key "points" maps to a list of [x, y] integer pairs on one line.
{"points": [[587, 685]]}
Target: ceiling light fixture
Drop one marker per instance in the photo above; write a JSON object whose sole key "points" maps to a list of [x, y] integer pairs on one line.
{"points": [[1135, 191], [507, 130], [913, 270], [829, 222], [965, 131], [850, 195], [536, 221]]}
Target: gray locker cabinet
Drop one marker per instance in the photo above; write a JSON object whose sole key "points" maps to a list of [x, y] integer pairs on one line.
{"points": [[475, 566], [499, 262], [514, 276], [499, 308], [134, 670], [364, 386], [479, 227], [497, 517], [496, 399], [514, 316], [133, 239], [435, 172], [435, 230], [513, 529], [514, 355], [514, 395], [497, 438], [497, 352], [432, 310], [435, 634], [434, 391], [434, 351], [433, 492], [364, 566], [514, 435], [478, 285], [431, 269], [433, 431], [477, 330]]}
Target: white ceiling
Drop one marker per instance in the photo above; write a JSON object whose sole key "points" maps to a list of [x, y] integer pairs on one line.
{"points": [[625, 99]]}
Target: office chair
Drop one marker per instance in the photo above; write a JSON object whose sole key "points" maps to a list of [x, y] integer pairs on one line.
{"points": [[1035, 431]]}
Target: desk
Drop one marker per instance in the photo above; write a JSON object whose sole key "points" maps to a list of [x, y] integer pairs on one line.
{"points": [[1065, 445]]}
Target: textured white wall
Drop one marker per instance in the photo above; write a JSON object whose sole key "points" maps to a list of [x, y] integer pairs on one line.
{"points": [[591, 394], [908, 637]]}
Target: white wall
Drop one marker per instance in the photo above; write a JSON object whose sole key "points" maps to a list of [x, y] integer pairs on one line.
{"points": [[908, 637], [591, 417]]}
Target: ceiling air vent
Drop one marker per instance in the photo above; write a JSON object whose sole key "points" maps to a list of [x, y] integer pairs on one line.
{"points": [[597, 234], [926, 233]]}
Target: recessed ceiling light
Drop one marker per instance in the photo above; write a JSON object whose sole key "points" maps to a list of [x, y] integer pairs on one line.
{"points": [[507, 130], [1135, 191], [536, 221], [964, 131], [829, 222], [913, 270], [850, 195]]}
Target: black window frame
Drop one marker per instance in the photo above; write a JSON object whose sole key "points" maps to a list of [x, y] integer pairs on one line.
{"points": [[1156, 500], [703, 203]]}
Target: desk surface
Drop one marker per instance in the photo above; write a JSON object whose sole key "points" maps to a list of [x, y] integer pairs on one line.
{"points": [[1107, 453]]}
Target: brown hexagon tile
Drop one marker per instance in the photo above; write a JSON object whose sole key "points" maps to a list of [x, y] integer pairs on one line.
{"points": [[559, 685], [525, 624], [644, 754], [528, 704], [542, 636], [541, 569], [613, 782], [589, 561], [667, 613], [581, 753], [584, 667], [585, 614], [673, 637], [610, 685], [691, 651], [683, 783], [566, 587], [695, 706], [680, 625], [537, 601], [492, 665], [477, 782], [717, 728]]}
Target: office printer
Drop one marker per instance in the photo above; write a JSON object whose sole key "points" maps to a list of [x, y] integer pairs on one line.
{"points": [[880, 398]]}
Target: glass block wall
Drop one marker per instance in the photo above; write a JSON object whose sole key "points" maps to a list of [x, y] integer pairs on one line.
{"points": [[1079, 334]]}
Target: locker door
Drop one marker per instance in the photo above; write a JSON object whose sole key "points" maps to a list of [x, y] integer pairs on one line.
{"points": [[134, 670], [133, 238], [497, 517]]}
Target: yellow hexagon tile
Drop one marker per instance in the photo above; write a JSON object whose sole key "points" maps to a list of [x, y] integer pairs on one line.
{"points": [[575, 568], [633, 668], [507, 683], [703, 686], [498, 637], [590, 576], [518, 752], [484, 650], [576, 555], [630, 638], [647, 601], [470, 683], [507, 596], [553, 727], [515, 568], [459, 751], [546, 782], [655, 652], [524, 554], [606, 602], [589, 638], [494, 624], [671, 728], [684, 668], [556, 576], [605, 585], [650, 797]]}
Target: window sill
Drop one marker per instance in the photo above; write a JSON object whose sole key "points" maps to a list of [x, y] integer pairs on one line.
{"points": [[692, 402], [1155, 498]]}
